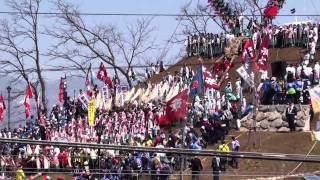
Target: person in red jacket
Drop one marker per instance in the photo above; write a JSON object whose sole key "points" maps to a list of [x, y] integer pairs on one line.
{"points": [[63, 159]]}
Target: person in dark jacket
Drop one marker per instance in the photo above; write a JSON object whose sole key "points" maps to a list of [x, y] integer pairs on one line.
{"points": [[291, 112], [196, 167], [216, 167]]}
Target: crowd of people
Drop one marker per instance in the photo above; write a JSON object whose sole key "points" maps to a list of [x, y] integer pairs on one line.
{"points": [[206, 44], [298, 34], [134, 124], [137, 120]]}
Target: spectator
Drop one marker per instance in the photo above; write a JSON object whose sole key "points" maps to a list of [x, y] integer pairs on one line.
{"points": [[216, 167], [235, 148], [20, 174], [291, 112], [223, 147], [196, 167]]}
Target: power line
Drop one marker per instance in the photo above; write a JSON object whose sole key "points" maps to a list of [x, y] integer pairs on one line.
{"points": [[141, 14]]}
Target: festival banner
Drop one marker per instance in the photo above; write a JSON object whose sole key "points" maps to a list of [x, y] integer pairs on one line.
{"points": [[176, 107], [315, 98], [2, 107], [208, 80], [91, 112], [244, 75]]}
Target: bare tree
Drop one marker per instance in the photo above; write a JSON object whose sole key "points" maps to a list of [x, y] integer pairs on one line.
{"points": [[19, 45], [198, 16], [103, 42]]}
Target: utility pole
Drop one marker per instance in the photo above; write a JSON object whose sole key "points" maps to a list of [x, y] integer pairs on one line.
{"points": [[9, 110]]}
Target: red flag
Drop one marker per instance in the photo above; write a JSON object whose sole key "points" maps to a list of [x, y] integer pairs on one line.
{"points": [[102, 73], [88, 83], [209, 81], [88, 91], [271, 11], [248, 50], [27, 103], [60, 96], [2, 107], [163, 120], [176, 108], [108, 82], [263, 54]]}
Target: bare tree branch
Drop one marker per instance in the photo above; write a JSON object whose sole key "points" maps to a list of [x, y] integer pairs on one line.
{"points": [[99, 42]]}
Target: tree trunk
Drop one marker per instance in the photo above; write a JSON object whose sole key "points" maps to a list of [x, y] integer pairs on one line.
{"points": [[128, 81], [39, 73]]}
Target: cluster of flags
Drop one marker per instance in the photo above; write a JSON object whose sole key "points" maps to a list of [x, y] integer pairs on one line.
{"points": [[176, 108], [102, 75], [25, 102], [221, 9], [249, 53]]}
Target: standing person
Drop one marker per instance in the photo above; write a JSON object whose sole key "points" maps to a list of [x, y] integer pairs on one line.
{"points": [[196, 167], [215, 167], [223, 147], [20, 174], [291, 112], [155, 167], [235, 148]]}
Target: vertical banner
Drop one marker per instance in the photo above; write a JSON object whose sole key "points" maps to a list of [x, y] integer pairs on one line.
{"points": [[84, 101], [91, 112], [315, 99], [245, 76]]}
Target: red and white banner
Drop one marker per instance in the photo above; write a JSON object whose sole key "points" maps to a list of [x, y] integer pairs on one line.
{"points": [[27, 103], [208, 80], [61, 89], [102, 73], [248, 50], [176, 108], [2, 107], [263, 57]]}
